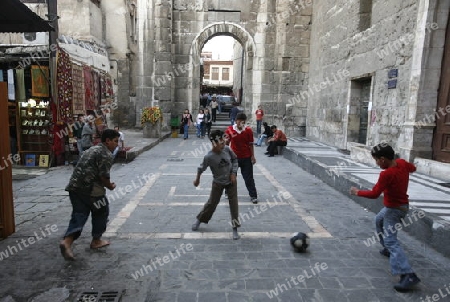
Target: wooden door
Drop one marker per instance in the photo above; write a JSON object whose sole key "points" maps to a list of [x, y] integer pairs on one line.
{"points": [[441, 139], [7, 225]]}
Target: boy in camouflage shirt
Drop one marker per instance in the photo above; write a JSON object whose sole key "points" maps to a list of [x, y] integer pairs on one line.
{"points": [[87, 193]]}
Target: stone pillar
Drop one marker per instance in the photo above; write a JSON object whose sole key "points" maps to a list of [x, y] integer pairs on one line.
{"points": [[417, 132]]}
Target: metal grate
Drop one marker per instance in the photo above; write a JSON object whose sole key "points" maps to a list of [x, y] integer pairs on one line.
{"points": [[94, 296]]}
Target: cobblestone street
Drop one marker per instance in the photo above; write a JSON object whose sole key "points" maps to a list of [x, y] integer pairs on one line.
{"points": [[154, 255]]}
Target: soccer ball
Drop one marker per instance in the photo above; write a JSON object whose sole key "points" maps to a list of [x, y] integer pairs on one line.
{"points": [[300, 242]]}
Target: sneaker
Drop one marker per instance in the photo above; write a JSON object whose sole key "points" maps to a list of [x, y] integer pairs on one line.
{"points": [[385, 252], [266, 153], [254, 200], [407, 282], [196, 225]]}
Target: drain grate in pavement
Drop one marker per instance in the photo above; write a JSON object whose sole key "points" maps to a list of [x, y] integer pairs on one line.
{"points": [[94, 296], [175, 159], [445, 184]]}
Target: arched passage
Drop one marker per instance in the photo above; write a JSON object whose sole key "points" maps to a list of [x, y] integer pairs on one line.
{"points": [[248, 45]]}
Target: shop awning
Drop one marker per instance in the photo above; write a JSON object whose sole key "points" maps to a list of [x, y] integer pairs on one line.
{"points": [[17, 17]]}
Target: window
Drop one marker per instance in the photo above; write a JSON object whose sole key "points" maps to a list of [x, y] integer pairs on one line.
{"points": [[225, 74], [365, 14], [215, 73]]}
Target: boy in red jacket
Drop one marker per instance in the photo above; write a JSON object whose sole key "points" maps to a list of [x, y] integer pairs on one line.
{"points": [[393, 183]]}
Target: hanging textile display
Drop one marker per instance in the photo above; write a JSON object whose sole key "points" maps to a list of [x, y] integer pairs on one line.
{"points": [[109, 87], [103, 87], [1, 76], [40, 81], [11, 88], [20, 85], [65, 88], [88, 88], [96, 88], [78, 89]]}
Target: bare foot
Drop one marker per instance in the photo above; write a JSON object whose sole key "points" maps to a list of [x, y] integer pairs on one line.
{"points": [[99, 243], [66, 251]]}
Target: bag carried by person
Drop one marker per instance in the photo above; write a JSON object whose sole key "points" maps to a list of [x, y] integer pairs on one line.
{"points": [[182, 130]]}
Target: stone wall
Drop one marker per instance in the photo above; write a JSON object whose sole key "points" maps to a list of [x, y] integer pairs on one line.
{"points": [[342, 45], [397, 56]]}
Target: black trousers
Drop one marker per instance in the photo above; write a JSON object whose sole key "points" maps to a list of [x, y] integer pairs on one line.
{"points": [[273, 145]]}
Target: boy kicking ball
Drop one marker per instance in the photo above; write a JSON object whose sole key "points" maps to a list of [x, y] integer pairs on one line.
{"points": [[224, 165], [393, 182]]}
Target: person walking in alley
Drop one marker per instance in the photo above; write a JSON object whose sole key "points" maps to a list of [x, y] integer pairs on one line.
{"points": [[240, 138], [87, 134], [214, 106], [278, 139], [77, 132], [207, 122], [186, 121], [88, 195], [393, 183], [200, 124], [223, 164]]}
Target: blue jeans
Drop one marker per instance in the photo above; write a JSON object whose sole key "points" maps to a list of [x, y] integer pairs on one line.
{"points": [[82, 206], [260, 139], [247, 173], [200, 129], [186, 130], [385, 222], [258, 127]]}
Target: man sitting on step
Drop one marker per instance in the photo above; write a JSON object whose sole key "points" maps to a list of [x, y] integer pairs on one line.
{"points": [[278, 139]]}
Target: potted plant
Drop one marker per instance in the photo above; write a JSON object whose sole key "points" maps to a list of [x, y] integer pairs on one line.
{"points": [[151, 121]]}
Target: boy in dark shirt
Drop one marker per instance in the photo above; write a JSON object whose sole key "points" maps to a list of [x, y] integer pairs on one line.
{"points": [[393, 183]]}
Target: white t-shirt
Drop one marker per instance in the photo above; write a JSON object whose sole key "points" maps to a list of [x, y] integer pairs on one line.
{"points": [[200, 118]]}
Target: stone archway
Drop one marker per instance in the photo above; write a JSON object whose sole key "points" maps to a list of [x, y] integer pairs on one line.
{"points": [[249, 47]]}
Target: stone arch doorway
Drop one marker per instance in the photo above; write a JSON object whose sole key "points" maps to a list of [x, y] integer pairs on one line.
{"points": [[248, 62]]}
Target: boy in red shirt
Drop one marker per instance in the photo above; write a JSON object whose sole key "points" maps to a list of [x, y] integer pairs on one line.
{"points": [[240, 139], [393, 183]]}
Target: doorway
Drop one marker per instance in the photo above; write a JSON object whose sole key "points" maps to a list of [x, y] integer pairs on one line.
{"points": [[358, 111], [441, 138]]}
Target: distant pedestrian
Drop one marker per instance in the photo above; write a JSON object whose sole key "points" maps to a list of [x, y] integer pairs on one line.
{"points": [[186, 121], [233, 113], [87, 134], [259, 118], [77, 133], [121, 144], [88, 195], [223, 164], [240, 138], [393, 183], [208, 122], [200, 123], [214, 106], [267, 134], [278, 139]]}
